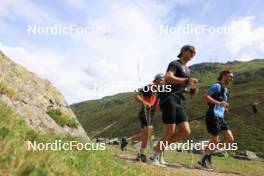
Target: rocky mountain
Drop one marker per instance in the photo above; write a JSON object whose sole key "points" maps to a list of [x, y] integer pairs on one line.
{"points": [[36, 100]]}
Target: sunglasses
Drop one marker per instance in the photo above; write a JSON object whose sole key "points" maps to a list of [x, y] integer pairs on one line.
{"points": [[231, 76], [192, 51]]}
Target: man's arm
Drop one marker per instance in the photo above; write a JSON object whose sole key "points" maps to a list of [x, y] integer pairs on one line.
{"points": [[209, 99], [139, 98], [192, 91], [171, 78]]}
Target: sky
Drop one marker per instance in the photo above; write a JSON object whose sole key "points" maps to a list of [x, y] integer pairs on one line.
{"points": [[121, 44]]}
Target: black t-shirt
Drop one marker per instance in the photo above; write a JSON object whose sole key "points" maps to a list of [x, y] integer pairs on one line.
{"points": [[181, 71]]}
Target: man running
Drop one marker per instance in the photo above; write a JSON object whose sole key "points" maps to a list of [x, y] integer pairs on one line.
{"points": [[217, 97], [178, 76], [147, 96]]}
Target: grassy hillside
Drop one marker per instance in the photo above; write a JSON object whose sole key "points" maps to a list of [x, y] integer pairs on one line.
{"points": [[121, 110], [16, 159]]}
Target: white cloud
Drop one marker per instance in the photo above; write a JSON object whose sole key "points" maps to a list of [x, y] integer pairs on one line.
{"points": [[30, 12], [50, 66], [132, 34], [246, 37]]}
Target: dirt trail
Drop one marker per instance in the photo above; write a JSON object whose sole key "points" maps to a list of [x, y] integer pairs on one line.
{"points": [[178, 167]]}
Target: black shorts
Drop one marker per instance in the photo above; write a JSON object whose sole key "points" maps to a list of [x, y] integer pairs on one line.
{"points": [[172, 110], [146, 117], [214, 124]]}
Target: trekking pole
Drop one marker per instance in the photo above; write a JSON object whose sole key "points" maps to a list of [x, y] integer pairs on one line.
{"points": [[147, 111], [252, 105]]}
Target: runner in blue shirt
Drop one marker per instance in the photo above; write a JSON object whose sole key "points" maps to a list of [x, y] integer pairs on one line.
{"points": [[217, 97]]}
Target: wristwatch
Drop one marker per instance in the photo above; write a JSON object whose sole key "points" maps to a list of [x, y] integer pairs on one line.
{"points": [[187, 80]]}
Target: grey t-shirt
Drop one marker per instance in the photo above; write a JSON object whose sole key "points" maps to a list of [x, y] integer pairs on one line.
{"points": [[181, 71]]}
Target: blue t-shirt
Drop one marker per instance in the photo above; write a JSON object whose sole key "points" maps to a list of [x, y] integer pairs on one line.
{"points": [[218, 110]]}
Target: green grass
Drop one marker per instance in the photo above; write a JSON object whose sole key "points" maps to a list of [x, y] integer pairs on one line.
{"points": [[61, 119], [220, 164], [16, 159]]}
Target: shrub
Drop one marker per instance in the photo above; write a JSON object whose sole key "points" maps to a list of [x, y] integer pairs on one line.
{"points": [[4, 132], [61, 119], [4, 89]]}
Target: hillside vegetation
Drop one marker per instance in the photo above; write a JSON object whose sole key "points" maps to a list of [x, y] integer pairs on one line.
{"points": [[16, 159]]}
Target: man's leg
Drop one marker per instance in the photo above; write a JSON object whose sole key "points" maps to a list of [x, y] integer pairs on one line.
{"points": [[209, 149], [144, 142], [168, 134], [146, 132], [228, 139], [183, 131], [135, 138], [161, 144], [171, 136], [228, 136], [213, 141], [224, 129]]}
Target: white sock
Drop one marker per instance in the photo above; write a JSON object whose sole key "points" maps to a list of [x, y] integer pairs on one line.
{"points": [[156, 155]]}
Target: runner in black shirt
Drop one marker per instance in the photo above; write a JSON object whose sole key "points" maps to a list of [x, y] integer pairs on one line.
{"points": [[178, 76]]}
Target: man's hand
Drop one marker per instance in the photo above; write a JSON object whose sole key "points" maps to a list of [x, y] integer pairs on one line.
{"points": [[224, 103], [194, 91], [147, 105], [192, 80]]}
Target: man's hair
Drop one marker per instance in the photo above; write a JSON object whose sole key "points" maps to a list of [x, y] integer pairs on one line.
{"points": [[223, 73], [185, 48], [158, 76]]}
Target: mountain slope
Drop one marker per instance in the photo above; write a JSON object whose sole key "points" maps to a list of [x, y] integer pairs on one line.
{"points": [[36, 100], [16, 159], [248, 128]]}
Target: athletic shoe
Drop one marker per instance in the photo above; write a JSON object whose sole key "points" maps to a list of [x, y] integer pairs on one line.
{"points": [[123, 143], [155, 160], [203, 165], [141, 157]]}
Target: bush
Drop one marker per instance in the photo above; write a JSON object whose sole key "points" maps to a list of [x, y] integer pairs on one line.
{"points": [[34, 171], [61, 119], [4, 132], [4, 89]]}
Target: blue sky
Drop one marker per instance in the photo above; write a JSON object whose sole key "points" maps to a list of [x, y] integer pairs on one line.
{"points": [[75, 63]]}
